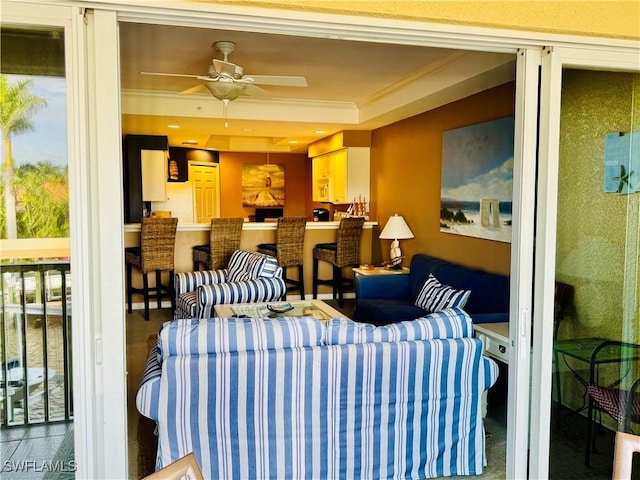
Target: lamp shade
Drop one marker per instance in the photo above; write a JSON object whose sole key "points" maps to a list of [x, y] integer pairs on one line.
{"points": [[225, 90], [396, 229]]}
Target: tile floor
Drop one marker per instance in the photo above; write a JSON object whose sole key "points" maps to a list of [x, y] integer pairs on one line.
{"points": [[37, 452]]}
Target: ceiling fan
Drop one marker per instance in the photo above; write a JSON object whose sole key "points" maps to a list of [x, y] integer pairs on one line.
{"points": [[226, 81]]}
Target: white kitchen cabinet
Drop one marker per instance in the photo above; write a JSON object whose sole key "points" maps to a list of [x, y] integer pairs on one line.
{"points": [[154, 175], [341, 176]]}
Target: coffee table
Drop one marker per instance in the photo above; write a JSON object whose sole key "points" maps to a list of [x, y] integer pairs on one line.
{"points": [[301, 308]]}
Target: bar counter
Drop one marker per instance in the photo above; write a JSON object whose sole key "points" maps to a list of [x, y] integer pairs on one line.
{"points": [[254, 233]]}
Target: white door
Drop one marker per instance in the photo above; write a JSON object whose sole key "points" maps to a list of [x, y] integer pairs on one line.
{"points": [[206, 184]]}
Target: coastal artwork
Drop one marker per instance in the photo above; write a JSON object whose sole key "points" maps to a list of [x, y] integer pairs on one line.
{"points": [[262, 185], [622, 162], [477, 180]]}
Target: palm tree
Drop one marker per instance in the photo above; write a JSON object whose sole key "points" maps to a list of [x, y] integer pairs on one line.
{"points": [[17, 104]]}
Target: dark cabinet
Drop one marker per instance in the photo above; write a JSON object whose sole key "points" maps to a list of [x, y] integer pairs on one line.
{"points": [[132, 145], [179, 158]]}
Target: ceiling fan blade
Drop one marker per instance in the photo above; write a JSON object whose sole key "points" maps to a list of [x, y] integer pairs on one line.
{"points": [[279, 80], [195, 89], [170, 74], [227, 68], [256, 92]]}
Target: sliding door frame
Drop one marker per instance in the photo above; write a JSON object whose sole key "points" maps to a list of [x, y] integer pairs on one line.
{"points": [[554, 60], [98, 231]]}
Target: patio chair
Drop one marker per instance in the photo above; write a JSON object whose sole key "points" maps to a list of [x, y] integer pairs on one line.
{"points": [[622, 404]]}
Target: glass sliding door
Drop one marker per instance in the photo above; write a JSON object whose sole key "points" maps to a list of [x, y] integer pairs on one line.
{"points": [[586, 324], [36, 381], [596, 351]]}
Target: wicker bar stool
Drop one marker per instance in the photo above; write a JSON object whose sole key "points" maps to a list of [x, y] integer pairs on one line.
{"points": [[289, 249], [224, 239], [155, 254], [344, 252]]}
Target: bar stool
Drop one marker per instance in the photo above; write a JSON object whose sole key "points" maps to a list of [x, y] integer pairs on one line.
{"points": [[224, 239], [289, 249], [155, 254], [345, 251]]}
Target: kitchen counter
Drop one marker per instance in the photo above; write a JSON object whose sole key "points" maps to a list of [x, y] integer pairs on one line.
{"points": [[248, 226], [254, 233]]}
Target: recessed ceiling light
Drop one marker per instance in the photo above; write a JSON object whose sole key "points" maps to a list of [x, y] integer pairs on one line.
{"points": [[190, 142], [247, 129], [173, 125], [319, 132], [293, 142]]}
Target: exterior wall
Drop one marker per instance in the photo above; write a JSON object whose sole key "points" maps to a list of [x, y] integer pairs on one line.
{"points": [[597, 231], [597, 234], [406, 160], [618, 19]]}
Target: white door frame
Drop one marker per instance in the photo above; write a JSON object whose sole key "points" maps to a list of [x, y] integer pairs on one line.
{"points": [[99, 422], [522, 241], [81, 320], [553, 61]]}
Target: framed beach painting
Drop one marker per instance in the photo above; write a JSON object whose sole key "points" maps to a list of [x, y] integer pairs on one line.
{"points": [[622, 162], [262, 185], [477, 180]]}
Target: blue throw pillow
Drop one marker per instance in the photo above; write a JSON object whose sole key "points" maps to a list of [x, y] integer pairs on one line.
{"points": [[434, 296]]}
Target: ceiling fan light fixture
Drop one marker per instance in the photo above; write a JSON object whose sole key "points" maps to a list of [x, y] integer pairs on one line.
{"points": [[225, 90]]}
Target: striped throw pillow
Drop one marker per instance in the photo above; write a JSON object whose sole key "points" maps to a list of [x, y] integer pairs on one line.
{"points": [[245, 266], [434, 296], [448, 323]]}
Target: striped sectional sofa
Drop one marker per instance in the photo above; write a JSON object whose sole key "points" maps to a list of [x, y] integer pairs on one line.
{"points": [[297, 398], [250, 277]]}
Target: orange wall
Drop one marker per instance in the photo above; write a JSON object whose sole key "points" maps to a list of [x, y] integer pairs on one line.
{"points": [[405, 179], [297, 172]]}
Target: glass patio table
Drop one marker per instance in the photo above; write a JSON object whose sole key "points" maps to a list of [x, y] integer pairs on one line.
{"points": [[594, 352]]}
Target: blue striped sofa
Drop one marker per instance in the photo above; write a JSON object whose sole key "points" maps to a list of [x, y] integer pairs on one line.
{"points": [[250, 277], [297, 398]]}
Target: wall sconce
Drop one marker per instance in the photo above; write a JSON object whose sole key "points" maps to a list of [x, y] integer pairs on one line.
{"points": [[396, 229]]}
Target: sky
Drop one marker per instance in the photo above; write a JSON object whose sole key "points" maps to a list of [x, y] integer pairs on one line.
{"points": [[47, 142], [477, 161]]}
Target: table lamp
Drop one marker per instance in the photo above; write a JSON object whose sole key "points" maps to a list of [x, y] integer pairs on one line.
{"points": [[396, 229]]}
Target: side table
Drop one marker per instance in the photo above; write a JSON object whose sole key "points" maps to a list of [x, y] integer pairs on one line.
{"points": [[379, 271], [495, 341], [495, 338]]}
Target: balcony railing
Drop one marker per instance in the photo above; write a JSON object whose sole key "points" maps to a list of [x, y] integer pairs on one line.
{"points": [[35, 343]]}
